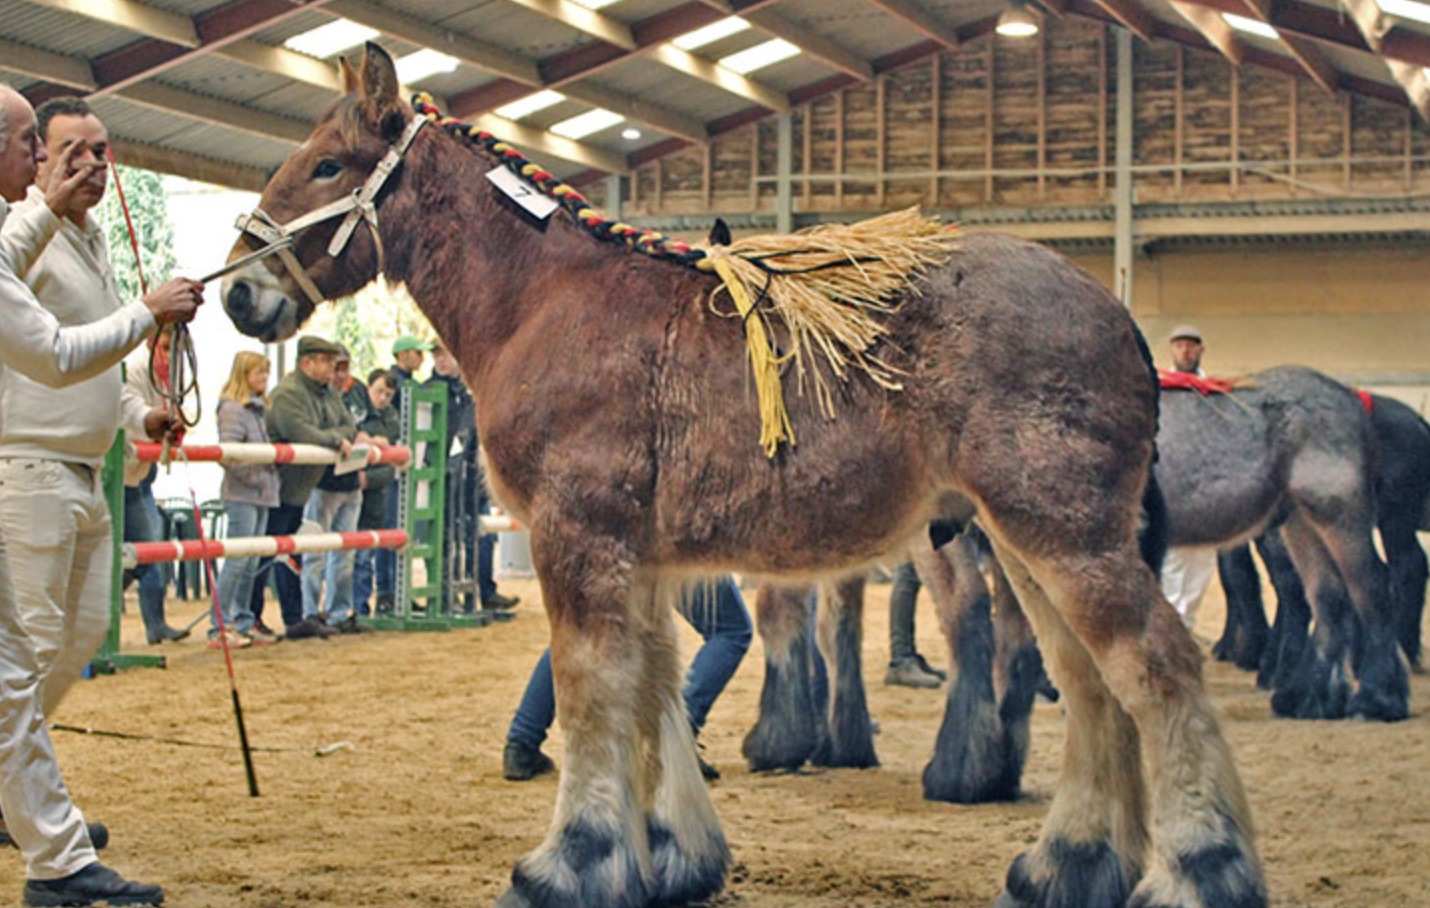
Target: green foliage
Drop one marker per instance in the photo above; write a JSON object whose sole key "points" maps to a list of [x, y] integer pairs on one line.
{"points": [[149, 208]]}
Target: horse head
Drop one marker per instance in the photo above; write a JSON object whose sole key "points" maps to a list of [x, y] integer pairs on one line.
{"points": [[304, 213]]}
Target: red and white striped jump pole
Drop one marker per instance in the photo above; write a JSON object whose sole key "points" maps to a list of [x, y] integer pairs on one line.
{"points": [[235, 452], [137, 553]]}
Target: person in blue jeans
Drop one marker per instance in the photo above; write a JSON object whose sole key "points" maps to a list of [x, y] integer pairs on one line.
{"points": [[716, 611]]}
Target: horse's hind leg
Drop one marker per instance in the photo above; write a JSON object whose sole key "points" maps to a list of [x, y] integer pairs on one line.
{"points": [[1202, 852], [688, 850], [1290, 633], [971, 763], [789, 727], [841, 638], [1244, 638], [1317, 686], [1091, 850], [597, 853]]}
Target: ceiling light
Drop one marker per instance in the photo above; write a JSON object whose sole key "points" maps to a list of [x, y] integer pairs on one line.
{"points": [[759, 56], [1251, 26], [583, 125], [426, 62], [1016, 21], [1406, 9], [325, 40], [630, 133], [711, 33], [525, 107]]}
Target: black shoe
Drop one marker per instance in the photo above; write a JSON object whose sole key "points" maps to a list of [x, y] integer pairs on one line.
{"points": [[166, 634], [93, 883], [924, 664], [491, 614], [98, 835], [499, 601], [520, 763], [351, 626], [383, 604], [309, 628]]}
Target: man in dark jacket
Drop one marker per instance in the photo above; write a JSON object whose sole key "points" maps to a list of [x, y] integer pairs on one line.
{"points": [[304, 409], [383, 424], [466, 486]]}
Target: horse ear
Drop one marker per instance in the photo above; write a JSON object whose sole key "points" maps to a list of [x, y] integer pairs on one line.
{"points": [[720, 233], [379, 79], [348, 75]]}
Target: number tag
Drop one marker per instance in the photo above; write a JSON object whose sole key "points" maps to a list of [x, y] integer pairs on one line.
{"points": [[522, 193]]}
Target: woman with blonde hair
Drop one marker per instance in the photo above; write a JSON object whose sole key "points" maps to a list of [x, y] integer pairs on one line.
{"points": [[249, 490]]}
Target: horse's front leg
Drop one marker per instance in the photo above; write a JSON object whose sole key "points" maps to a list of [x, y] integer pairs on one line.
{"points": [[689, 855], [597, 853], [841, 638], [1290, 634], [791, 725], [1244, 637]]}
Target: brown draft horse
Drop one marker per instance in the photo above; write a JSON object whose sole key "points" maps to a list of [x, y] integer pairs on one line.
{"points": [[620, 427]]}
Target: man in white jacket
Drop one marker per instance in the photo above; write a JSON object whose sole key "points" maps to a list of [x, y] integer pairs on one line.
{"points": [[1187, 572], [53, 440], [62, 867]]}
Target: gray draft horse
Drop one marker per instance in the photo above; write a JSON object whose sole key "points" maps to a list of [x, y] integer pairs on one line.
{"points": [[619, 427], [1402, 496], [1292, 448]]}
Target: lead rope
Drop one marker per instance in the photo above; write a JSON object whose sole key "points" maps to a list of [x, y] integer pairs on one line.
{"points": [[183, 380]]}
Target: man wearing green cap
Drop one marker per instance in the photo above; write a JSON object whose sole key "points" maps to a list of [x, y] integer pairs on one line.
{"points": [[409, 352]]}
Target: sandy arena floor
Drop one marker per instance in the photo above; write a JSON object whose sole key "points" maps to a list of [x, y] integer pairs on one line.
{"points": [[414, 811]]}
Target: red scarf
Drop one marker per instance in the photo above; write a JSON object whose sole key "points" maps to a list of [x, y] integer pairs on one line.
{"points": [[1187, 381]]}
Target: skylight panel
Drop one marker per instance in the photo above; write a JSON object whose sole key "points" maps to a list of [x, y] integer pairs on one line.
{"points": [[426, 62], [1251, 26], [1407, 9], [596, 4], [760, 56], [583, 125], [326, 40], [711, 33], [525, 107]]}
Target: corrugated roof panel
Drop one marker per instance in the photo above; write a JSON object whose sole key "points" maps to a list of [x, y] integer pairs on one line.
{"points": [[635, 10], [59, 31], [863, 27], [693, 97], [294, 26], [223, 78], [506, 25], [297, 101]]}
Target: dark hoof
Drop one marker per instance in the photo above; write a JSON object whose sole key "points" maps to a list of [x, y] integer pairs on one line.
{"points": [[1066, 875], [682, 878], [1380, 706], [973, 762], [1221, 876], [1321, 690], [849, 746], [769, 747], [588, 868]]}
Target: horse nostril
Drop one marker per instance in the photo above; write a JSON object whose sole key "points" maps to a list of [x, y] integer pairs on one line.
{"points": [[239, 301]]}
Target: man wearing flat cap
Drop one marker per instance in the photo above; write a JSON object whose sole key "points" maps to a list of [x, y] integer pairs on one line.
{"points": [[1186, 572], [304, 409]]}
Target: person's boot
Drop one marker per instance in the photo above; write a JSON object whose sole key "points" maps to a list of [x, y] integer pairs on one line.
{"points": [[520, 763], [924, 664], [500, 602], [907, 672], [90, 884], [156, 629]]}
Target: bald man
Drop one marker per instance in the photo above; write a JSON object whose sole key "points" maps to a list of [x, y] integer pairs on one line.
{"points": [[61, 864]]}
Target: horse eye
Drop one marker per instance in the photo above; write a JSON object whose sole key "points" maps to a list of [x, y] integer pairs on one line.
{"points": [[327, 169]]}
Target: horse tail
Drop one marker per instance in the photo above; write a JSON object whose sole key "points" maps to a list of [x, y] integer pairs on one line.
{"points": [[1152, 535]]}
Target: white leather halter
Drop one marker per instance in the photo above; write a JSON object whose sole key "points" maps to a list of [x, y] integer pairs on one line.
{"points": [[356, 208]]}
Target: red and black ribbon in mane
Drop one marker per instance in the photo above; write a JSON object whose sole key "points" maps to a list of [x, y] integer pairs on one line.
{"points": [[1186, 381], [649, 242]]}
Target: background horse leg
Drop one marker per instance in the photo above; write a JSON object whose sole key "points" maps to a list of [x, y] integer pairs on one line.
{"points": [[789, 726], [1092, 846], [1018, 672], [970, 763], [1318, 685], [1408, 573], [1244, 637], [689, 855], [1383, 690], [597, 853], [1290, 633], [841, 637]]}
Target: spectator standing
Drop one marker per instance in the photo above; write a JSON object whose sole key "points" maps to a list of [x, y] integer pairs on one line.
{"points": [[1187, 572], [466, 486], [142, 522], [408, 353], [334, 506], [304, 409], [907, 666], [249, 490], [39, 816], [382, 425]]}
